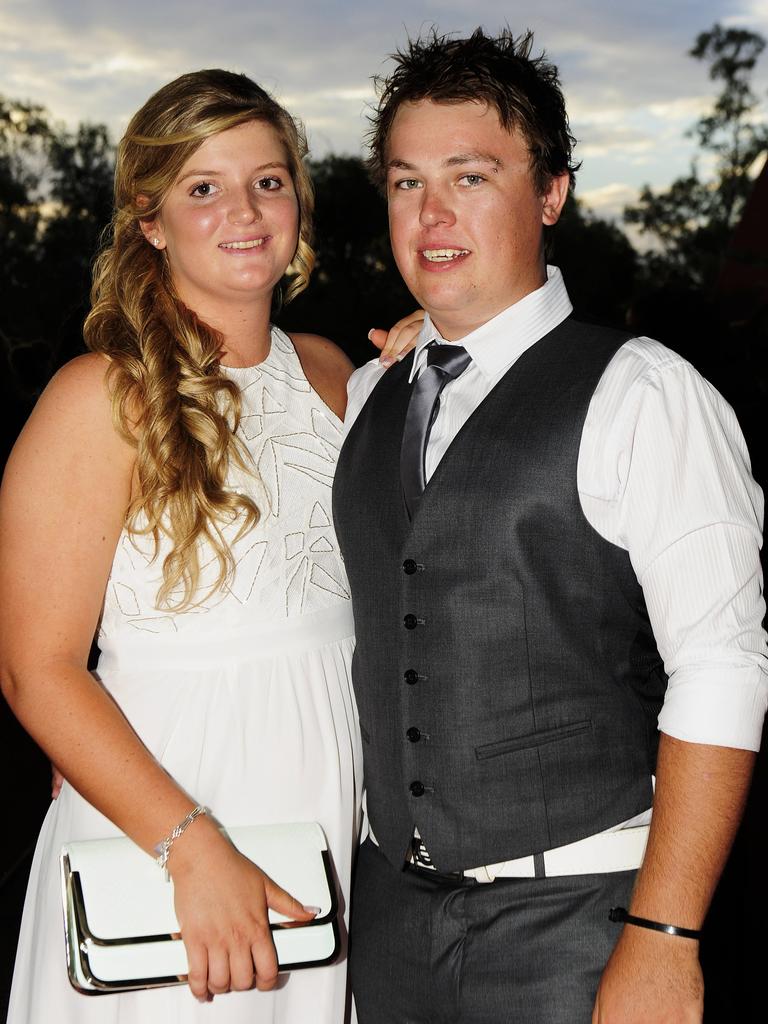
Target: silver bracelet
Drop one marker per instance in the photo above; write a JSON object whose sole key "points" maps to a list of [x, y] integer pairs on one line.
{"points": [[163, 848]]}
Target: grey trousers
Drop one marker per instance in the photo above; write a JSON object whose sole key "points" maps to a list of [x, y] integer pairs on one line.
{"points": [[430, 950]]}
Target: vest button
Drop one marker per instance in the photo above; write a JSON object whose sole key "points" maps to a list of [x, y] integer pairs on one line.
{"points": [[417, 788], [411, 676], [410, 621], [413, 734], [409, 567]]}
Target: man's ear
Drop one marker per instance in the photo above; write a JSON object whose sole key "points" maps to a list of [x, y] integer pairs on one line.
{"points": [[554, 198], [151, 227]]}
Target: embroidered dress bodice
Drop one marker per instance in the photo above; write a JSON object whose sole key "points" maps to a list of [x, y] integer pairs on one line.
{"points": [[289, 564]]}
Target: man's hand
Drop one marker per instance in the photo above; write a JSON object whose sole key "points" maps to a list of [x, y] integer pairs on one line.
{"points": [[651, 978]]}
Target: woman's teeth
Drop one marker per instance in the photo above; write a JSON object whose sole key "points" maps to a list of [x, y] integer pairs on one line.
{"points": [[252, 244]]}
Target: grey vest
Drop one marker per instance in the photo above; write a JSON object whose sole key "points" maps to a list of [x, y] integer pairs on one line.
{"points": [[506, 674]]}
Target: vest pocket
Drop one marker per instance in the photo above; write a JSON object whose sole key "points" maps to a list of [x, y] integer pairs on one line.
{"points": [[532, 739]]}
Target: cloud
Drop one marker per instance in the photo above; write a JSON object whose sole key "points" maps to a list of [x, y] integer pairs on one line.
{"points": [[631, 90], [609, 201]]}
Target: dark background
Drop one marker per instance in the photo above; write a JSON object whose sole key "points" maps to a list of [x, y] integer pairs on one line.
{"points": [[702, 288]]}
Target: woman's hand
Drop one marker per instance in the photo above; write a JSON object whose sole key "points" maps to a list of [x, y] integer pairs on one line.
{"points": [[57, 781], [399, 339], [222, 901]]}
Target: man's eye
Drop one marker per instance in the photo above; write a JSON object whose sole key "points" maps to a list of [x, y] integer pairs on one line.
{"points": [[472, 179], [269, 184], [205, 188], [407, 183]]}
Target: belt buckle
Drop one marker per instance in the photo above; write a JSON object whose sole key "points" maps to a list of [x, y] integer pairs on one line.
{"points": [[481, 874]]}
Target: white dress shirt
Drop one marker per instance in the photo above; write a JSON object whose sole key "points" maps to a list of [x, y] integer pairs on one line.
{"points": [[663, 473]]}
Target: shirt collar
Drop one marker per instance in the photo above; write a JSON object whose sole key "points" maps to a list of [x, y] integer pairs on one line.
{"points": [[499, 342]]}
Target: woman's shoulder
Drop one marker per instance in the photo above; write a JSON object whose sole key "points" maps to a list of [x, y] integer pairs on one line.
{"points": [[76, 409], [326, 368], [84, 377], [320, 352]]}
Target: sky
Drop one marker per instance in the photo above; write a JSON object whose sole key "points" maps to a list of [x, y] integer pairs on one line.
{"points": [[631, 90]]}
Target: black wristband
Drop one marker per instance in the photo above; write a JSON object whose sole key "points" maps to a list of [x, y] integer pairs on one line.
{"points": [[620, 914]]}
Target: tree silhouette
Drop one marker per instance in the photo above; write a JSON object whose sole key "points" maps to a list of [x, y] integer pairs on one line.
{"points": [[692, 221], [55, 200], [24, 132], [80, 177], [598, 262]]}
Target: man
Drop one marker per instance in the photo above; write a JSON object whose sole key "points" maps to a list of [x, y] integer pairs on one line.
{"points": [[551, 534]]}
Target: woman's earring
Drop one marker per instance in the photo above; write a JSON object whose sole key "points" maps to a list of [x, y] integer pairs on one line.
{"points": [[155, 241]]}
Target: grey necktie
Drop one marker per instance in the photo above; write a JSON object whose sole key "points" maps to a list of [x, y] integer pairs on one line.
{"points": [[444, 363]]}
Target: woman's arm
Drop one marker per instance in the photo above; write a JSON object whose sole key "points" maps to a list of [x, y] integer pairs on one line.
{"points": [[62, 503], [62, 506]]}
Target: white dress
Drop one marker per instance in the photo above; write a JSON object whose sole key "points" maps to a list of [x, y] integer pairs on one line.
{"points": [[246, 701]]}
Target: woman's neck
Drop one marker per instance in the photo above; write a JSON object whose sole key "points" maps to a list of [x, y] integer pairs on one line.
{"points": [[244, 330], [246, 342]]}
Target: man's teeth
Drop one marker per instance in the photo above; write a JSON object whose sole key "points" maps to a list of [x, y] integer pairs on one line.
{"points": [[443, 255], [252, 244]]}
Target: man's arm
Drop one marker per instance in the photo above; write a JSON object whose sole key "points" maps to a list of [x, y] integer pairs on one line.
{"points": [[700, 795], [666, 476]]}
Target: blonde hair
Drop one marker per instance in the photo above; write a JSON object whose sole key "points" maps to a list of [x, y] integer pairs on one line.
{"points": [[169, 397]]}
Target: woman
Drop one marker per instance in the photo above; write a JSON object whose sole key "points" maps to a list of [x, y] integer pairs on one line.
{"points": [[173, 488]]}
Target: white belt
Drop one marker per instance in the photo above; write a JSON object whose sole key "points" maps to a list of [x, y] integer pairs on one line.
{"points": [[604, 852]]}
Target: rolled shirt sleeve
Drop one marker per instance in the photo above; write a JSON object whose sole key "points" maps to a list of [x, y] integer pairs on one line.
{"points": [[664, 473]]}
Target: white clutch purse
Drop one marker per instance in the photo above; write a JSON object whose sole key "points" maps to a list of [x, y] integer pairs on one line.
{"points": [[120, 922]]}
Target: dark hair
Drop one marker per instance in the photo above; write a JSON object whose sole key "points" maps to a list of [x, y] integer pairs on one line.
{"points": [[524, 90]]}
